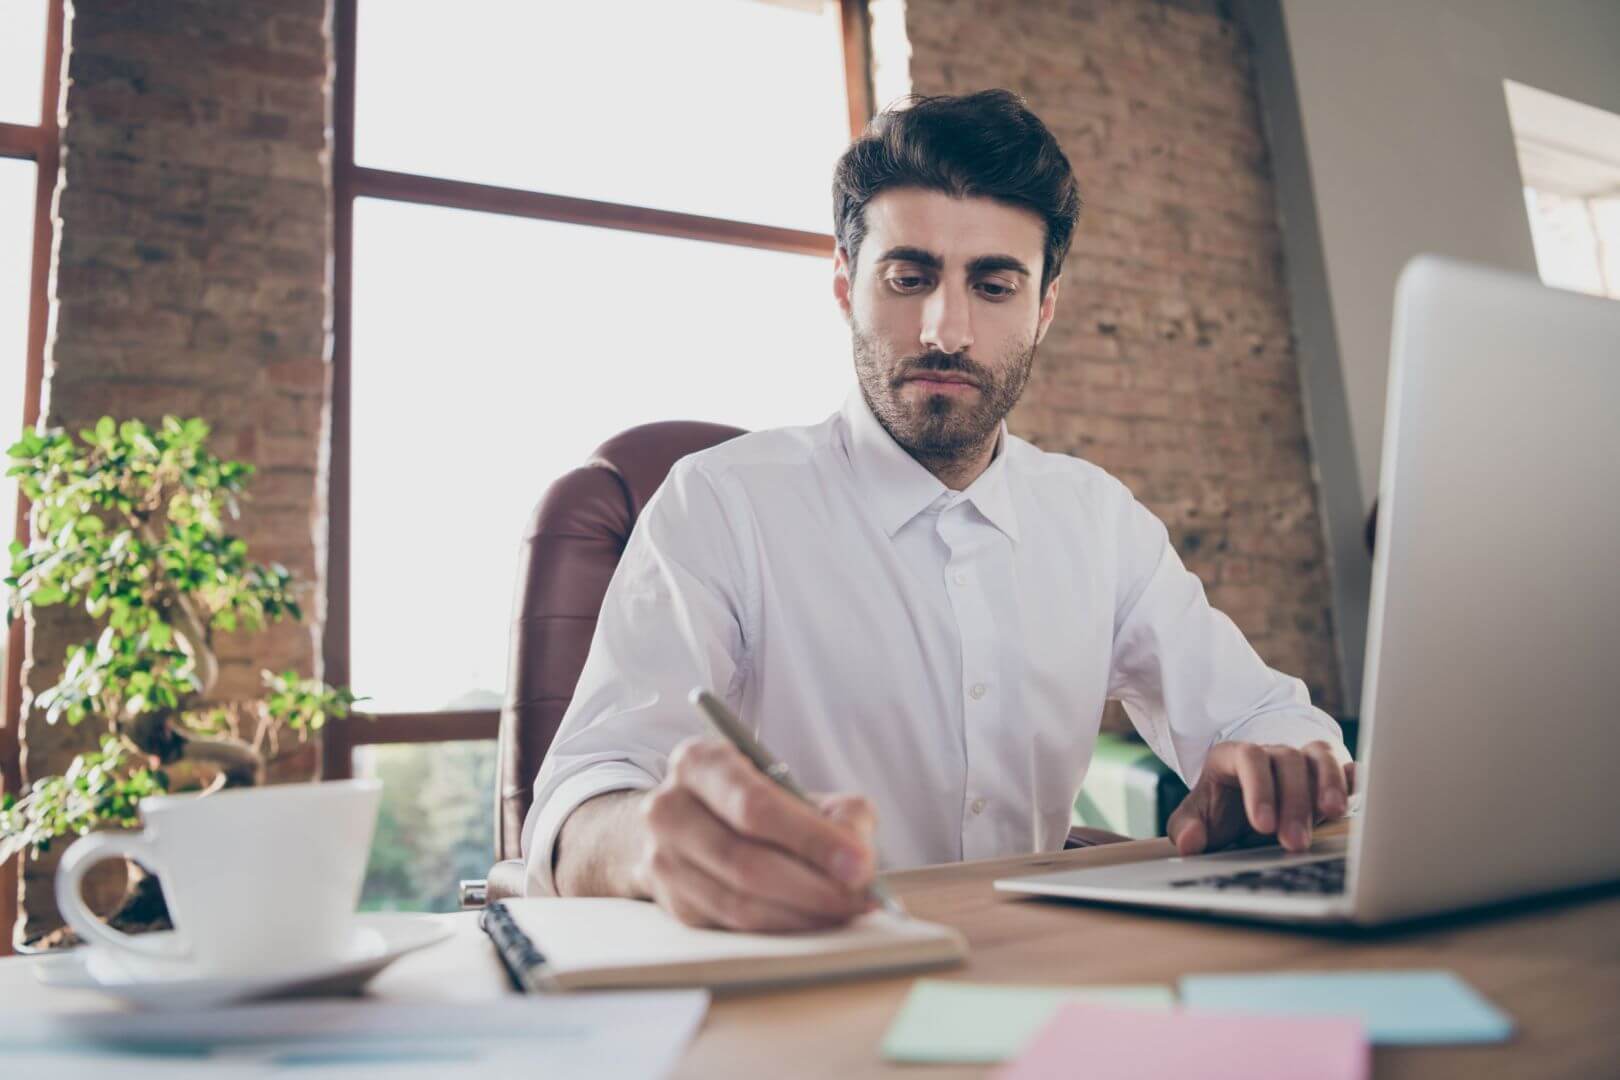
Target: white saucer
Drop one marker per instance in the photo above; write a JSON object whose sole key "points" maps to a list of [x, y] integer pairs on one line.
{"points": [[375, 941]]}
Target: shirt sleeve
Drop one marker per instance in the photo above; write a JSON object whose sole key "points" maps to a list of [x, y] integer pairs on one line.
{"points": [[1184, 672], [674, 617]]}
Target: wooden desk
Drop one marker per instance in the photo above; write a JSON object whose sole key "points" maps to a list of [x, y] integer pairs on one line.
{"points": [[1554, 967]]}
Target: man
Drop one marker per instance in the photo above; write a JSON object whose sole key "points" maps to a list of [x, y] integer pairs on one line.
{"points": [[905, 601]]}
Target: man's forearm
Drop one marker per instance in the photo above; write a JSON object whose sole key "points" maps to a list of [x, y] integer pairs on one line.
{"points": [[599, 845]]}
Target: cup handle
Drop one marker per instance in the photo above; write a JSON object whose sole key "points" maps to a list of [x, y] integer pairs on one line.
{"points": [[77, 861]]}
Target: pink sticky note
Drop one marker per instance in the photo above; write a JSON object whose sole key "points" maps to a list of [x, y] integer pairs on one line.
{"points": [[1101, 1042]]}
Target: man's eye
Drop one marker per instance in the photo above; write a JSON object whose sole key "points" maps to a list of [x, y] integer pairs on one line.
{"points": [[907, 282], [995, 290]]}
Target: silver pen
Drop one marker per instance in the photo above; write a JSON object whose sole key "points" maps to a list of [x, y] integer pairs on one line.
{"points": [[738, 736]]}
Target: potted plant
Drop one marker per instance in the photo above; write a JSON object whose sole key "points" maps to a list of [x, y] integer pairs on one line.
{"points": [[129, 526]]}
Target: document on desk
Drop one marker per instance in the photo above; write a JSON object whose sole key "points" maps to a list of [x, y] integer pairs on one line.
{"points": [[1103, 1042], [635, 1034], [1407, 1008], [944, 1022]]}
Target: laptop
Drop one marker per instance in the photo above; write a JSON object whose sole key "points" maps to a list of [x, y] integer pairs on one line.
{"points": [[1491, 703]]}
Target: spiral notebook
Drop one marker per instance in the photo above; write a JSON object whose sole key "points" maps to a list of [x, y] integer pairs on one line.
{"points": [[576, 944]]}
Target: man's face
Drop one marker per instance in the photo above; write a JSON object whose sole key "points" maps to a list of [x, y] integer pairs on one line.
{"points": [[945, 309]]}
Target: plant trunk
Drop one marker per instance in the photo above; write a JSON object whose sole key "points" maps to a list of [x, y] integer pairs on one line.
{"points": [[237, 762], [140, 910], [193, 636], [190, 625]]}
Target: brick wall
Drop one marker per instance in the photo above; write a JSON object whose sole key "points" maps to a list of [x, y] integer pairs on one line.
{"points": [[191, 278], [1170, 361]]}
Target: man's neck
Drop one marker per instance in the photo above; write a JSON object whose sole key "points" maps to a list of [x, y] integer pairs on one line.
{"points": [[958, 470]]}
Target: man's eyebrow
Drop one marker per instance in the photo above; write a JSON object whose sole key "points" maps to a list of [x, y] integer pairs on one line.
{"points": [[913, 255], [987, 263], [983, 264]]}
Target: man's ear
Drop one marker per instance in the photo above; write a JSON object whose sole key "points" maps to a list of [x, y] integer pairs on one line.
{"points": [[1048, 309], [843, 288]]}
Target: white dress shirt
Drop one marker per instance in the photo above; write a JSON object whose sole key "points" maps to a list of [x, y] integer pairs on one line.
{"points": [[946, 654]]}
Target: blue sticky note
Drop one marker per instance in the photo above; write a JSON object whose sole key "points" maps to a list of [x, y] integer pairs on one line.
{"points": [[1399, 1008]]}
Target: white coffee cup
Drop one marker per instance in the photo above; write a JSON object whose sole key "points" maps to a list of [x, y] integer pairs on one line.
{"points": [[256, 879]]}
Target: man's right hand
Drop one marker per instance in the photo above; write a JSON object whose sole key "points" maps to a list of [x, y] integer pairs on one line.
{"points": [[726, 847]]}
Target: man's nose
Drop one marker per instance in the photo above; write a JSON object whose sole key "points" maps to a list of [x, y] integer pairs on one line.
{"points": [[947, 321]]}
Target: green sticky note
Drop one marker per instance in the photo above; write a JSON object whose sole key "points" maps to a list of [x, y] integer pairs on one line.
{"points": [[985, 1023]]}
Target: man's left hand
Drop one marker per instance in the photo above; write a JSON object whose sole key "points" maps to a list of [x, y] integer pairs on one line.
{"points": [[1247, 789]]}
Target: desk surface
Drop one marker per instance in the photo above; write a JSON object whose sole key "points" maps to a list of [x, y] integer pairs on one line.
{"points": [[1553, 966]]}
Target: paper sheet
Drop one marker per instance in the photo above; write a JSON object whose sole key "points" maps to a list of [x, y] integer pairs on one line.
{"points": [[639, 1034]]}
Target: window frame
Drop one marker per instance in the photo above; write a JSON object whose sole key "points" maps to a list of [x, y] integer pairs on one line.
{"points": [[350, 182], [39, 143]]}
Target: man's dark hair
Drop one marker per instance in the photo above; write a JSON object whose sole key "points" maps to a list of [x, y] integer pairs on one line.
{"points": [[986, 144]]}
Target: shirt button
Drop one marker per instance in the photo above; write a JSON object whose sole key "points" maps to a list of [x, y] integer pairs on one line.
{"points": [[978, 806], [960, 577], [977, 691]]}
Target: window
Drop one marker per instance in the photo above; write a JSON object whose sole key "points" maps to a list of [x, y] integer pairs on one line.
{"points": [[578, 219], [891, 52], [435, 825], [22, 60], [726, 108], [17, 190], [489, 356], [1569, 159], [30, 60], [1577, 240]]}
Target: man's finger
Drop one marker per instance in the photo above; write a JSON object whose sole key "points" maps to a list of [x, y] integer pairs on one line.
{"points": [[1294, 797], [747, 866], [739, 795], [691, 889], [1187, 828], [1248, 768], [1327, 776], [853, 811]]}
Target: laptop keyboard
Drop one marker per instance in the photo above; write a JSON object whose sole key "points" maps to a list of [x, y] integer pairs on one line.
{"points": [[1325, 877]]}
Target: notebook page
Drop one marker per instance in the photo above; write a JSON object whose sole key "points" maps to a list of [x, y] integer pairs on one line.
{"points": [[577, 933]]}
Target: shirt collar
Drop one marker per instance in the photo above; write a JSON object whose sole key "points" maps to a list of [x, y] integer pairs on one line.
{"points": [[899, 489]]}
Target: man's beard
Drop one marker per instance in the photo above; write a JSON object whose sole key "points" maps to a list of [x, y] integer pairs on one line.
{"points": [[939, 427]]}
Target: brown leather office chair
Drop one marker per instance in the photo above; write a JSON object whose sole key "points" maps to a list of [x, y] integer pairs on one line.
{"points": [[572, 545], [570, 549]]}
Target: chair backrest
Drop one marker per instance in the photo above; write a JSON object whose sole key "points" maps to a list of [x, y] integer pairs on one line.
{"points": [[570, 549]]}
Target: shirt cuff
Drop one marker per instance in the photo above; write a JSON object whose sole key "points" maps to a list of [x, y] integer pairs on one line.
{"points": [[564, 799], [1292, 728]]}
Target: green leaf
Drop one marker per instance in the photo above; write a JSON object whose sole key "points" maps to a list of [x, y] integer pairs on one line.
{"points": [[129, 519], [98, 790]]}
